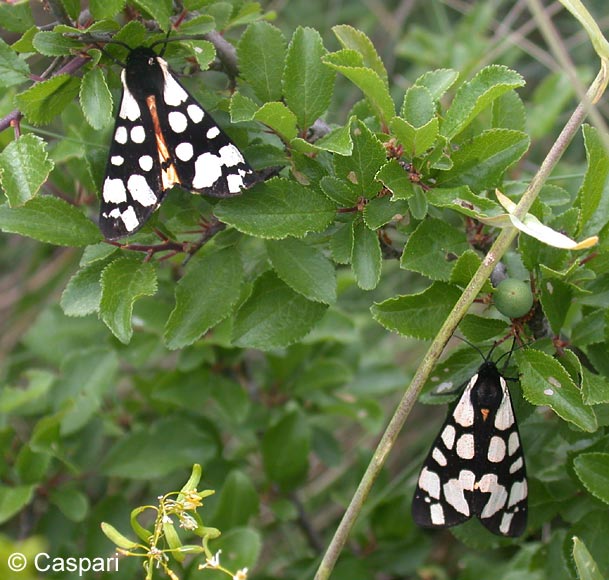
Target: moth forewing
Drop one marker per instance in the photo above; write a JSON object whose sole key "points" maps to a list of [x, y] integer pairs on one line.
{"points": [[476, 465], [163, 137]]}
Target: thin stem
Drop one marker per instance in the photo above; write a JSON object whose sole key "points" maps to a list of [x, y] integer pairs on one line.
{"points": [[502, 243]]}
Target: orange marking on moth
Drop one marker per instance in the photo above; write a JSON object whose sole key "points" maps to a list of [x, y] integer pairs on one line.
{"points": [[169, 174]]}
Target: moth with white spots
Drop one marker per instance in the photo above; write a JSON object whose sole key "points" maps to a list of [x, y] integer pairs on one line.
{"points": [[476, 464], [163, 137]]}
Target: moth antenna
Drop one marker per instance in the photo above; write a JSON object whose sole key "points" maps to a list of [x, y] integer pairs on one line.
{"points": [[164, 41], [111, 57], [485, 358]]}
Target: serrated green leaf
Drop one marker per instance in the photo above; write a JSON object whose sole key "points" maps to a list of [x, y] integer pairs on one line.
{"points": [[366, 257], [395, 178], [307, 83], [204, 52], [463, 200], [50, 219], [555, 298], [242, 108], [304, 268], [474, 96], [52, 43], [464, 269], [482, 161], [593, 196], [201, 24], [418, 203], [24, 43], [24, 167], [361, 167], [261, 52], [418, 107], [432, 249], [95, 99], [83, 292], [595, 388], [587, 568], [479, 329], [367, 80], [383, 209], [417, 315], [279, 118], [415, 140], [338, 191], [16, 16], [437, 82], [123, 282], [509, 112], [593, 471], [285, 450], [354, 39], [13, 70], [545, 382], [274, 315], [160, 10], [336, 141], [341, 244], [44, 101], [205, 295], [277, 209]]}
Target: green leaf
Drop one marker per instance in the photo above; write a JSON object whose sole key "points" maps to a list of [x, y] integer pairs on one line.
{"points": [[95, 99], [593, 196], [242, 108], [587, 568], [556, 297], [157, 450], [54, 44], [395, 178], [437, 82], [24, 167], [123, 282], [16, 16], [50, 219], [304, 268], [415, 140], [279, 118], [14, 499], [417, 315], [336, 141], [593, 471], [274, 315], [545, 382], [595, 388], [463, 200], [237, 503], [240, 548], [83, 292], [479, 329], [160, 10], [341, 244], [357, 40], [509, 112], [350, 64], [277, 209], [307, 83], [366, 257], [285, 450], [418, 107], [44, 101], [432, 249], [106, 8], [476, 95], [13, 70], [261, 53], [338, 191], [205, 295], [361, 168], [201, 24], [382, 209], [481, 162]]}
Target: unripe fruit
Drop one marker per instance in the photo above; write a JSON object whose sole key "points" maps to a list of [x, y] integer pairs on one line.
{"points": [[513, 298]]}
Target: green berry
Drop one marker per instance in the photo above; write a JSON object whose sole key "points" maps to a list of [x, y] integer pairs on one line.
{"points": [[513, 298]]}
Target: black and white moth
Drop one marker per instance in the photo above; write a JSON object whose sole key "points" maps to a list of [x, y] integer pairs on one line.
{"points": [[163, 137], [476, 464]]}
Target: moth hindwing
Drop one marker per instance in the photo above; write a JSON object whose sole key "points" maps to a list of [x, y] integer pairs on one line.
{"points": [[163, 137], [476, 465]]}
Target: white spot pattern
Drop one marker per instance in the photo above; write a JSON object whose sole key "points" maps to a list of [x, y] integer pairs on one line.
{"points": [[184, 151], [146, 162], [177, 121], [140, 190], [138, 135], [114, 191], [195, 113]]}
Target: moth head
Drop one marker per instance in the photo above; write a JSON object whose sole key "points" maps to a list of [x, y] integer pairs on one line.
{"points": [[143, 72]]}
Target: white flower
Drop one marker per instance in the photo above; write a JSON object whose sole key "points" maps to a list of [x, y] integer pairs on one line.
{"points": [[241, 574], [213, 562]]}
